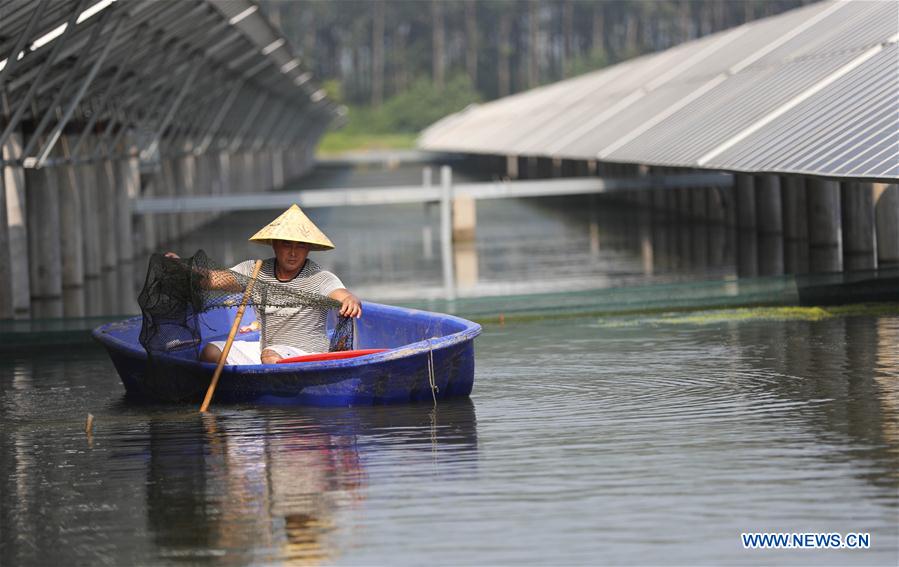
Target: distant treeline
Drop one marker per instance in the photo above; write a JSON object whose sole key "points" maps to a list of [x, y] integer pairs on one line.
{"points": [[375, 49]]}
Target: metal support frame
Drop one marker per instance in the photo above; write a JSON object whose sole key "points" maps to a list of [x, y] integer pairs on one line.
{"points": [[154, 144], [13, 58], [220, 116], [278, 140], [110, 89], [69, 77], [70, 109], [25, 102], [167, 49], [270, 128], [207, 109], [237, 141]]}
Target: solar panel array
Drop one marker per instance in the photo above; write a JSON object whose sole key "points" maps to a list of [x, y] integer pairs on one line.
{"points": [[812, 91], [190, 73]]}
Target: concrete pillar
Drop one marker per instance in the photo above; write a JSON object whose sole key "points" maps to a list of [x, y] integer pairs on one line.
{"points": [[857, 208], [716, 205], [659, 199], [168, 185], [17, 228], [747, 253], [446, 236], [464, 218], [70, 222], [699, 203], [90, 213], [886, 217], [6, 306], [270, 170], [744, 189], [106, 184], [187, 182], [44, 249], [127, 193], [825, 237], [223, 172], [795, 224], [145, 225], [247, 182], [684, 204], [522, 167], [768, 207], [73, 301], [769, 223], [512, 167], [545, 168], [671, 202]]}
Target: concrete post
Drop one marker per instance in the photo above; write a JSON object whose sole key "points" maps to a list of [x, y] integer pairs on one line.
{"points": [[146, 224], [768, 207], [187, 183], [684, 202], [225, 173], [247, 182], [70, 223], [747, 253], [6, 305], [886, 215], [17, 227], [168, 185], [106, 182], [717, 205], [512, 167], [464, 218], [446, 232], [127, 193], [90, 213], [824, 227], [857, 208], [44, 249], [744, 189], [269, 169], [699, 207], [769, 222], [795, 224], [522, 167]]}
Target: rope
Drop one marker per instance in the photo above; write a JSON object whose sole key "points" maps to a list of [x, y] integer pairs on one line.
{"points": [[431, 379]]}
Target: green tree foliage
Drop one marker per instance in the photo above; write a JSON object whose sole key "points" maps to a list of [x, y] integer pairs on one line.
{"points": [[488, 48]]}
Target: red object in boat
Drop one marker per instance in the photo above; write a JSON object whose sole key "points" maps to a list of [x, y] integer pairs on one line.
{"points": [[336, 355]]}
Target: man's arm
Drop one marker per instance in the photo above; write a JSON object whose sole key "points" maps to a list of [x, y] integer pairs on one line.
{"points": [[215, 279], [350, 304]]}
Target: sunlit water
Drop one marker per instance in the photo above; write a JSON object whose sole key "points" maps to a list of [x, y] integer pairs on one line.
{"points": [[586, 441]]}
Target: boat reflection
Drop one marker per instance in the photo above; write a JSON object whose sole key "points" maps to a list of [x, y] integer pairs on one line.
{"points": [[260, 485]]}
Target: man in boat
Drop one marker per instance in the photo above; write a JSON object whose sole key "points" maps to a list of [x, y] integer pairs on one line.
{"points": [[285, 331]]}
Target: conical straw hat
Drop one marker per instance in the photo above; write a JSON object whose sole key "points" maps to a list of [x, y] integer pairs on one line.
{"points": [[295, 226]]}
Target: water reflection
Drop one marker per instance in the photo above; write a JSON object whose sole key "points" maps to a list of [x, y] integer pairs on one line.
{"points": [[838, 377], [262, 486]]}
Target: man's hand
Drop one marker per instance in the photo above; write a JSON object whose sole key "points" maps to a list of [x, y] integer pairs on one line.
{"points": [[350, 306], [172, 255]]}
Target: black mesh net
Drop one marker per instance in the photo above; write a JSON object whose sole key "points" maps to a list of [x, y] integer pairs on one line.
{"points": [[187, 302]]}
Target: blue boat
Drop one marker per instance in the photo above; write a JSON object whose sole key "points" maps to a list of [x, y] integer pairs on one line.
{"points": [[429, 355]]}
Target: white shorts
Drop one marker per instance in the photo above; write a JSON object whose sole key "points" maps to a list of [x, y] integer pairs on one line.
{"points": [[249, 352]]}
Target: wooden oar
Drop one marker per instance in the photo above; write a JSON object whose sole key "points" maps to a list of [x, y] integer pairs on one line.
{"points": [[218, 369]]}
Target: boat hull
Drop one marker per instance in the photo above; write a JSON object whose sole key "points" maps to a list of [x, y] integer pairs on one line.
{"points": [[423, 347]]}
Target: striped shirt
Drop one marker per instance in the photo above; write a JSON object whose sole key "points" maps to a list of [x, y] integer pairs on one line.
{"points": [[301, 327]]}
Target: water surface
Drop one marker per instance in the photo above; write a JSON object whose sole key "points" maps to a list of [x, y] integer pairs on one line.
{"points": [[587, 440]]}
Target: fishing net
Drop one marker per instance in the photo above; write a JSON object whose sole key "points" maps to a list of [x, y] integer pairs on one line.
{"points": [[187, 302]]}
